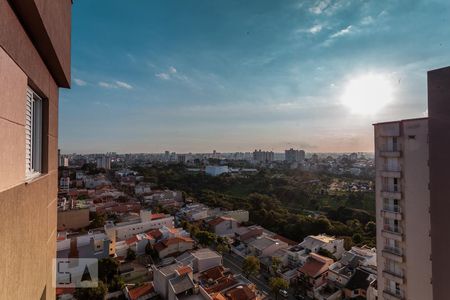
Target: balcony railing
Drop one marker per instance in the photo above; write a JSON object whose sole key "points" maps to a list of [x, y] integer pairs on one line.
{"points": [[398, 294], [393, 229], [396, 273], [393, 250], [392, 208]]}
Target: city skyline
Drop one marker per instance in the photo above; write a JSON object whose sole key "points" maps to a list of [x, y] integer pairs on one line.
{"points": [[193, 76]]}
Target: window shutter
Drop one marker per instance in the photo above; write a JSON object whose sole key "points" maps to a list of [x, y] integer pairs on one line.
{"points": [[28, 133], [37, 134]]}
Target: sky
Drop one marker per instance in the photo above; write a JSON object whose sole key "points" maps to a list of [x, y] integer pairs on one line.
{"points": [[204, 75]]}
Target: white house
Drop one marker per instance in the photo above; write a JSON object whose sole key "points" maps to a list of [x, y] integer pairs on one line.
{"points": [[148, 221], [223, 226], [265, 246]]}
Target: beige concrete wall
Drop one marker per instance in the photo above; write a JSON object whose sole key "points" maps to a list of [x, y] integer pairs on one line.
{"points": [[27, 210], [416, 204], [13, 88], [73, 219]]}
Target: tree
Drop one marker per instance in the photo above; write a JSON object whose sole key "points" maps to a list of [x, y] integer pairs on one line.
{"points": [[131, 255], [276, 284], [371, 228], [98, 221], [250, 266], [97, 293], [116, 284], [276, 263], [205, 238], [357, 238], [326, 253], [107, 269], [223, 248]]}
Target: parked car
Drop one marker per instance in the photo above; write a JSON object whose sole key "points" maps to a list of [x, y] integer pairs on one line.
{"points": [[283, 293]]}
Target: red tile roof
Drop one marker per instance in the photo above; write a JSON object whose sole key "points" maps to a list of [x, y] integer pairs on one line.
{"points": [[140, 291], [176, 240], [158, 216], [222, 283], [156, 233], [213, 273], [315, 265], [286, 240], [184, 270], [131, 240], [242, 292], [219, 220]]}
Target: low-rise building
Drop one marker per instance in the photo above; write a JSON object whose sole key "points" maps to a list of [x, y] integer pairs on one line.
{"points": [[147, 221], [359, 283], [341, 271], [223, 226], [173, 246], [312, 275], [216, 170], [73, 218], [265, 246], [201, 259]]}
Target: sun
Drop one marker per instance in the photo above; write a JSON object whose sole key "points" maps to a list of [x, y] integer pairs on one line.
{"points": [[367, 94]]}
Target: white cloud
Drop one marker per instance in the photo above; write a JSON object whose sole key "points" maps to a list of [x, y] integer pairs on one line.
{"points": [[320, 6], [124, 85], [106, 85], [163, 76], [172, 70], [315, 29], [79, 82], [367, 20], [115, 85], [342, 32]]}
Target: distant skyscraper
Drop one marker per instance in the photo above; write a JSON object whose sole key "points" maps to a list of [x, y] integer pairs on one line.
{"points": [[412, 190], [292, 155], [263, 156], [104, 162]]}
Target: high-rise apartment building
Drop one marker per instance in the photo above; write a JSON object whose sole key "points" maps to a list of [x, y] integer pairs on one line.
{"points": [[412, 190], [292, 155], [103, 162], [34, 64], [403, 202], [263, 156], [439, 162]]}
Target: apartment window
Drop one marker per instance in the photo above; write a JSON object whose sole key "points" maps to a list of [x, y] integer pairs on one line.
{"points": [[33, 134], [394, 143]]}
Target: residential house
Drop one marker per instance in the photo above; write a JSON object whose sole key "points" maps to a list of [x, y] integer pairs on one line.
{"points": [[223, 226], [173, 246], [265, 246], [312, 275], [359, 283], [142, 292], [201, 259], [341, 271]]}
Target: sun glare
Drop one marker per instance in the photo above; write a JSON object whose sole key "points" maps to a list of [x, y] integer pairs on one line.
{"points": [[367, 94]]}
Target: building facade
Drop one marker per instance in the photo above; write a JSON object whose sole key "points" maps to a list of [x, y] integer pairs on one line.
{"points": [[34, 64], [439, 161], [403, 205], [292, 155]]}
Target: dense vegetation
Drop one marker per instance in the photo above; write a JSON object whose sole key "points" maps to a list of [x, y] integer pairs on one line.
{"points": [[292, 203]]}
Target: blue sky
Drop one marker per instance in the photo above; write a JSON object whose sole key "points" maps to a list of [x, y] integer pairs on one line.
{"points": [[193, 76]]}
